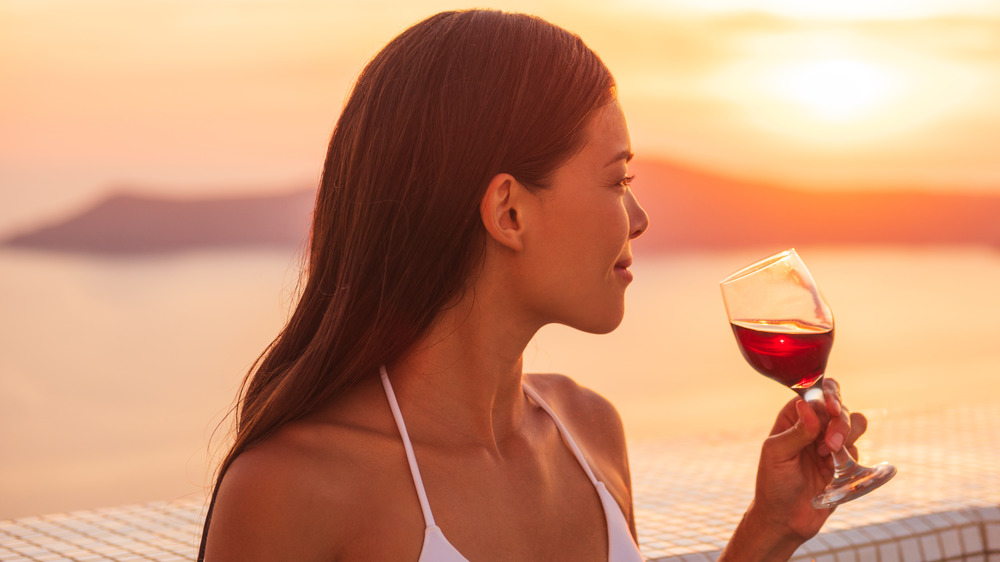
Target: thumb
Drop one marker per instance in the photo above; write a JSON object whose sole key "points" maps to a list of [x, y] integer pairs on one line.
{"points": [[804, 432]]}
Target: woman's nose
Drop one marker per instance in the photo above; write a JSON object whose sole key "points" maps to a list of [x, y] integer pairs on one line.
{"points": [[637, 217]]}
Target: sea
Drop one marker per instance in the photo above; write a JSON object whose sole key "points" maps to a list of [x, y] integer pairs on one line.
{"points": [[117, 375]]}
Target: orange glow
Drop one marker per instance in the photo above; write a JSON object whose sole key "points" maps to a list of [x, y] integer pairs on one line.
{"points": [[840, 10], [233, 96]]}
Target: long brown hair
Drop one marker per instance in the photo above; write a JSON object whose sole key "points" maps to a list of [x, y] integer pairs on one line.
{"points": [[443, 108]]}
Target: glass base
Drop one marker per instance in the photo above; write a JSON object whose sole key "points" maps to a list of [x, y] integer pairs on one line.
{"points": [[853, 483]]}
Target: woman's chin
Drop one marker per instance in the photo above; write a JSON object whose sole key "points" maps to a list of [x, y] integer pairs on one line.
{"points": [[600, 325]]}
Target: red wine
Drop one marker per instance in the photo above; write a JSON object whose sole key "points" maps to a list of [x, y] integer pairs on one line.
{"points": [[788, 351]]}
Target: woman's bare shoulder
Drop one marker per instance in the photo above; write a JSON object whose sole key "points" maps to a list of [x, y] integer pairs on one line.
{"points": [[272, 501], [597, 428], [299, 493], [579, 406]]}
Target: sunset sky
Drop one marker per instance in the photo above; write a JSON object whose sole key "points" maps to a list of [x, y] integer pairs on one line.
{"points": [[220, 96], [197, 98]]}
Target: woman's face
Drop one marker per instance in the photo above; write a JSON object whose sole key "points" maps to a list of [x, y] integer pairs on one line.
{"points": [[579, 252]]}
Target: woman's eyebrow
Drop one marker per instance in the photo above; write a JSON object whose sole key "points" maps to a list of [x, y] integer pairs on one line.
{"points": [[625, 155]]}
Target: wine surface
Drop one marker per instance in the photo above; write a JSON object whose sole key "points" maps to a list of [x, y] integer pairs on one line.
{"points": [[788, 351]]}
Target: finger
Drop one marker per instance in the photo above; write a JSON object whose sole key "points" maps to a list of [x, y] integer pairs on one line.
{"points": [[832, 384], [802, 433], [838, 432], [853, 451], [859, 424], [831, 395], [786, 417]]}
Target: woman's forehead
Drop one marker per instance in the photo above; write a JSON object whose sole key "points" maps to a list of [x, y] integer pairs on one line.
{"points": [[607, 136]]}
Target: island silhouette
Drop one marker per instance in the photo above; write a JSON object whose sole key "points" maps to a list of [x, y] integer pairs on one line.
{"points": [[690, 210]]}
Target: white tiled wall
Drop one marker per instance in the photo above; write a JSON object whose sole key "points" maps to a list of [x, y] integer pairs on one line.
{"points": [[937, 537], [944, 504]]}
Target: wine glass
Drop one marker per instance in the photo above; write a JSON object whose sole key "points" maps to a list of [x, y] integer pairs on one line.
{"points": [[784, 329]]}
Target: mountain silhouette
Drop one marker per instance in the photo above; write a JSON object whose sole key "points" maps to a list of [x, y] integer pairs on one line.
{"points": [[689, 210], [135, 224]]}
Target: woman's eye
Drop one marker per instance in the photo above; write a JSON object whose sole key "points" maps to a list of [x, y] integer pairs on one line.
{"points": [[626, 181]]}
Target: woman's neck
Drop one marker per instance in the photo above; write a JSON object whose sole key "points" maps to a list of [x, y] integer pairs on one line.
{"points": [[462, 381]]}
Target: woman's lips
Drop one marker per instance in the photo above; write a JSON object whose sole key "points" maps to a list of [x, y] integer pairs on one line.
{"points": [[621, 268]]}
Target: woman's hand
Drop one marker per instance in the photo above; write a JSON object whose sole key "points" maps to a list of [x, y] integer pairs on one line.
{"points": [[793, 468]]}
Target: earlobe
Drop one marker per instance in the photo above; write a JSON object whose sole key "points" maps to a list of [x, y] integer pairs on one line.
{"points": [[498, 210]]}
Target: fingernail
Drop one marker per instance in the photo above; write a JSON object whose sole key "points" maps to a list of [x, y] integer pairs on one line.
{"points": [[836, 440]]}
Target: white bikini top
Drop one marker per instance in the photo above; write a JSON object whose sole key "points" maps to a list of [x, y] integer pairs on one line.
{"points": [[436, 548]]}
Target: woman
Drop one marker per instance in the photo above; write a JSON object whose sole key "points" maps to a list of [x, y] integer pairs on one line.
{"points": [[475, 189]]}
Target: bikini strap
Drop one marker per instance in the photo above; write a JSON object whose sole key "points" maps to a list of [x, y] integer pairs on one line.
{"points": [[562, 431], [410, 457]]}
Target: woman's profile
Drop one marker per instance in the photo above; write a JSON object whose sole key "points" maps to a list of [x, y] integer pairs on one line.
{"points": [[475, 189]]}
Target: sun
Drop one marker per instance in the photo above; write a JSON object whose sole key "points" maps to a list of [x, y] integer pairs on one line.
{"points": [[835, 89]]}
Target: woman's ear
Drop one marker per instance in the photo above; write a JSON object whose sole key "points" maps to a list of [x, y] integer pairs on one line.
{"points": [[499, 211]]}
